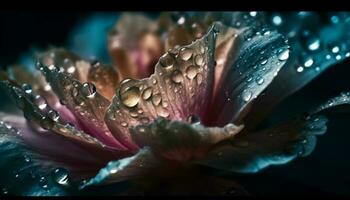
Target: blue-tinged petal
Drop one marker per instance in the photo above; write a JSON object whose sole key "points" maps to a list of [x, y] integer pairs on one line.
{"points": [[315, 45], [21, 174], [251, 152], [124, 169]]}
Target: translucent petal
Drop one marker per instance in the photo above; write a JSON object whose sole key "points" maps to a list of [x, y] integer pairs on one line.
{"points": [[180, 86], [251, 152], [181, 141], [83, 101], [316, 45], [259, 58], [124, 169]]}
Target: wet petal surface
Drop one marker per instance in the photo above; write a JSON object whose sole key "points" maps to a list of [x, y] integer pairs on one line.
{"points": [[176, 140]]}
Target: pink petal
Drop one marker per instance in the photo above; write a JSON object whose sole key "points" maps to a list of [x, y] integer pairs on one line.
{"points": [[181, 86]]}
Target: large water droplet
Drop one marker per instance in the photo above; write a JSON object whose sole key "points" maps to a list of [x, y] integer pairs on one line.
{"points": [[88, 90], [259, 80], [246, 95], [27, 88], [156, 99], [61, 176], [186, 53], [191, 72], [308, 62], [283, 55], [147, 93], [313, 44], [199, 60], [177, 76], [167, 61], [130, 97]]}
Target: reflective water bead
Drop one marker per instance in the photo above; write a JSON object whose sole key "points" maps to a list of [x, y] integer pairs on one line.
{"points": [[246, 95], [185, 53], [130, 97], [61, 176], [89, 90]]}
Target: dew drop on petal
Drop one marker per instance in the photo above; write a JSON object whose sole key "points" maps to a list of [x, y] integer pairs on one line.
{"points": [[259, 80], [147, 93], [177, 76], [313, 44], [130, 97], [124, 124], [61, 176], [27, 88], [156, 99], [88, 90], [283, 55], [300, 69], [53, 114], [308, 62], [167, 61], [277, 20], [246, 95], [185, 53], [40, 102], [199, 60], [191, 72]]}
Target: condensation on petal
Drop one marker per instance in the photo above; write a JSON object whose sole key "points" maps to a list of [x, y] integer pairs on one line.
{"points": [[176, 140], [250, 152], [181, 86], [316, 46], [259, 59], [84, 102], [342, 99], [125, 169]]}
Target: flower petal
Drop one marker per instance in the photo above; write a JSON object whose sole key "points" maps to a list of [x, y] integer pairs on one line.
{"points": [[181, 86], [251, 152], [105, 79], [258, 60], [49, 131], [83, 101], [176, 140], [124, 169], [134, 46], [315, 47]]}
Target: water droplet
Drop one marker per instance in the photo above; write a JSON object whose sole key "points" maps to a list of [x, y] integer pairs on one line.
{"points": [[259, 80], [283, 55], [43, 182], [53, 114], [313, 44], [263, 62], [246, 95], [156, 99], [199, 60], [167, 61], [186, 53], [300, 69], [308, 62], [71, 69], [61, 176], [147, 93], [40, 102], [88, 90], [277, 20], [130, 97], [27, 88], [335, 49], [199, 79], [124, 124], [253, 13], [338, 57], [177, 76], [191, 71], [27, 158]]}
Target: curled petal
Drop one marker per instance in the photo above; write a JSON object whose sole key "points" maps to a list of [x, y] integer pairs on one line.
{"points": [[251, 152], [124, 169], [258, 60], [83, 101], [180, 141], [315, 47], [181, 86]]}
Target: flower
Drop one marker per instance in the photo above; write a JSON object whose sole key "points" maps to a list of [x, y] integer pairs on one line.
{"points": [[182, 90]]}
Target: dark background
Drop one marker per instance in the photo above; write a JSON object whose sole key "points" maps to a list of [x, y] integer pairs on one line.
{"points": [[325, 172]]}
